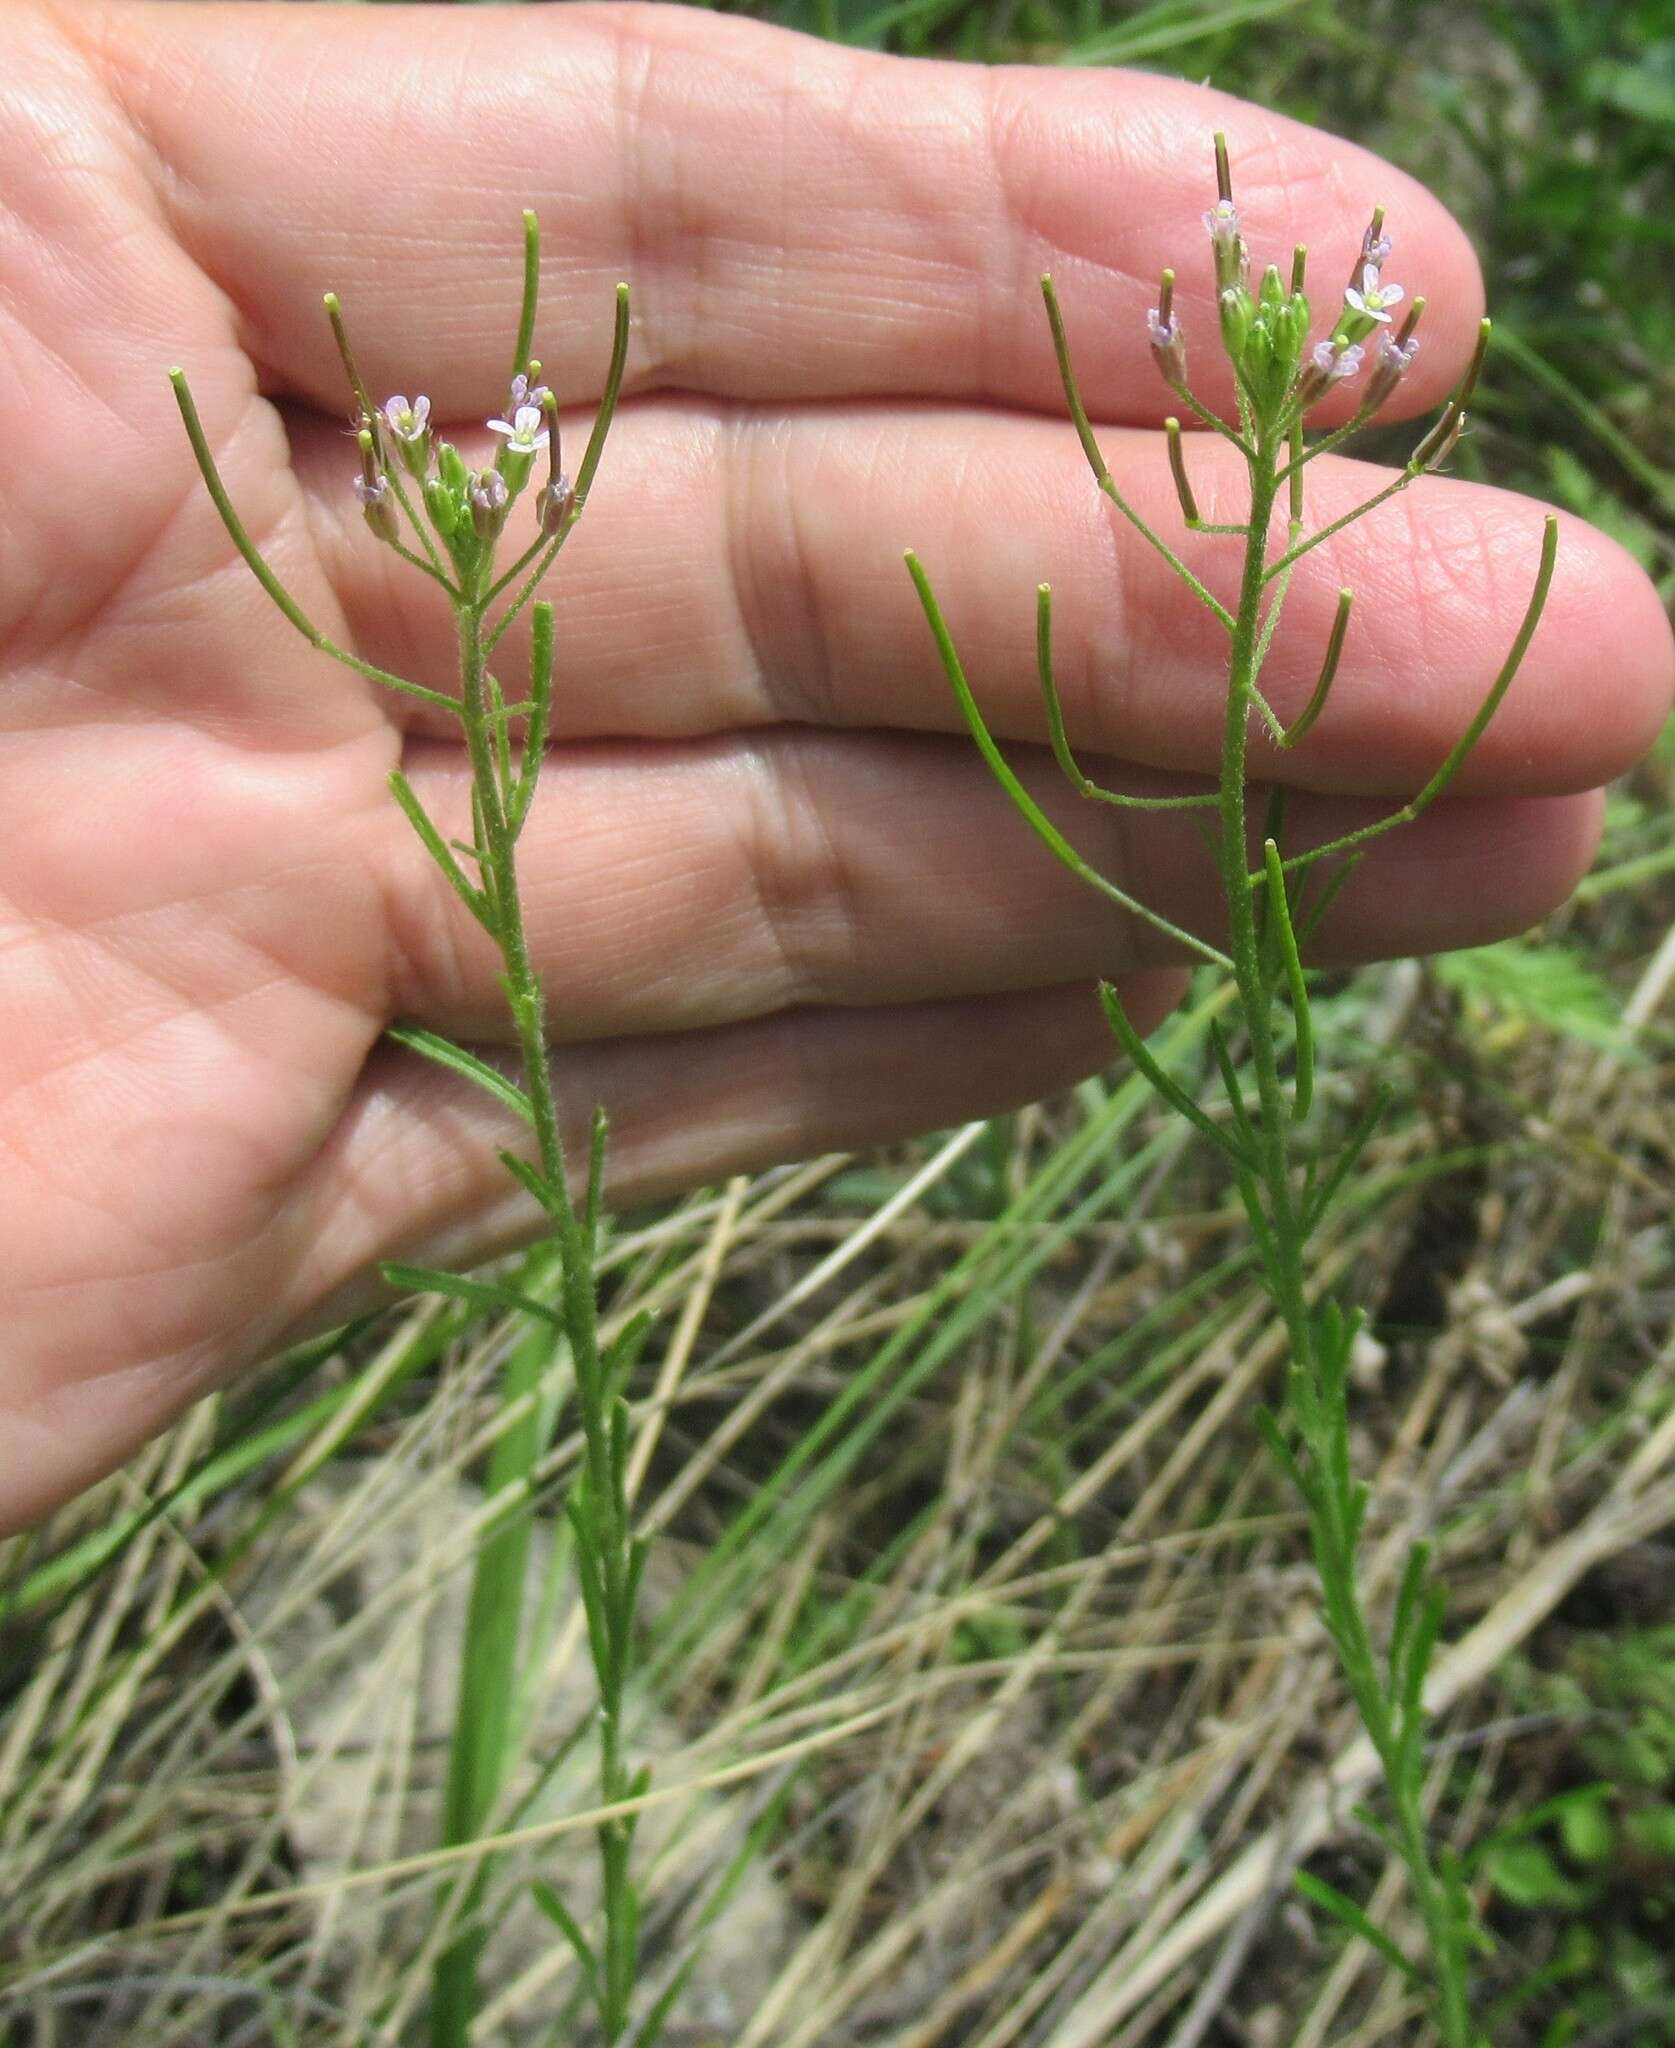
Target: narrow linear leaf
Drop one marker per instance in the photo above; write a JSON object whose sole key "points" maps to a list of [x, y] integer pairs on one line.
{"points": [[1348, 1914], [1026, 806], [530, 1177], [565, 1921], [1279, 920], [455, 1057], [437, 847], [1165, 1084], [479, 1293]]}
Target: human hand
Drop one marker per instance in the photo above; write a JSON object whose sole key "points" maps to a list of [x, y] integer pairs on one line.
{"points": [[777, 902]]}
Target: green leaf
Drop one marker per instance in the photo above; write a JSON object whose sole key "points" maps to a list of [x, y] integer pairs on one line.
{"points": [[1348, 1914], [1525, 1874], [1546, 985], [529, 1177], [1585, 1828], [455, 1057], [565, 1921], [1653, 1829], [479, 1293]]}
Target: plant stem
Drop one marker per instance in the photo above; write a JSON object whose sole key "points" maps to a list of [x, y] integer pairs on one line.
{"points": [[603, 1532], [1283, 1233]]}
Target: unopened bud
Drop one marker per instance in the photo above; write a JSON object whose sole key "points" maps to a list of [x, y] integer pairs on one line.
{"points": [[443, 507], [489, 497], [1236, 312]]}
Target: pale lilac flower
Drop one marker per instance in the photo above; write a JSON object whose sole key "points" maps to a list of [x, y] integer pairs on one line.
{"points": [[1168, 347], [1373, 300], [1232, 259], [525, 431], [378, 504], [525, 393], [1390, 365], [1375, 250], [408, 423], [1335, 363], [1396, 357], [553, 504]]}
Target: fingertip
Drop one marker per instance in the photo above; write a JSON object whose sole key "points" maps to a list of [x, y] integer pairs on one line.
{"points": [[1612, 652]]}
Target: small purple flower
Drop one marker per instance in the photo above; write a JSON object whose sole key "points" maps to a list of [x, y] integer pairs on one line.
{"points": [[1232, 259], [1334, 363], [1395, 358], [525, 431], [1373, 300], [525, 393], [1168, 346], [553, 503], [1375, 250], [1390, 365], [408, 423], [378, 505]]}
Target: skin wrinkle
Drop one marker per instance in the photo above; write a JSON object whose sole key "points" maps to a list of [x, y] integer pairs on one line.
{"points": [[803, 886], [804, 689], [634, 67]]}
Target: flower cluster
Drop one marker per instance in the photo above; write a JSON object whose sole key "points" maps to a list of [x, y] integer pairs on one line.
{"points": [[1265, 332], [467, 508]]}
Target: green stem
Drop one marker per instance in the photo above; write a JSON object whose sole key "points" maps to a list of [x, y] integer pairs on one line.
{"points": [[1284, 1234]]}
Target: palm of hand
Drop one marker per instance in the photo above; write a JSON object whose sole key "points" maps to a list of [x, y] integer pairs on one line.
{"points": [[196, 939], [209, 906]]}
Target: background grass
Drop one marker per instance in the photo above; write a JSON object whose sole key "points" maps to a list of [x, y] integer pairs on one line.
{"points": [[979, 1654]]}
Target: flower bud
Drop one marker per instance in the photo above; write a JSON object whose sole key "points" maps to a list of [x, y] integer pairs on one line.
{"points": [[490, 497], [444, 508], [1236, 312]]}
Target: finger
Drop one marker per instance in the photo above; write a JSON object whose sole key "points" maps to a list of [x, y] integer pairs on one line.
{"points": [[796, 220], [689, 885], [413, 1172], [736, 570]]}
